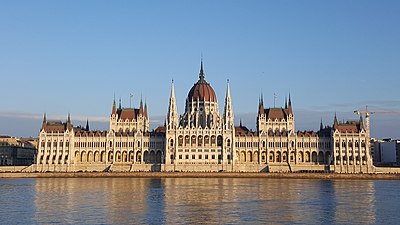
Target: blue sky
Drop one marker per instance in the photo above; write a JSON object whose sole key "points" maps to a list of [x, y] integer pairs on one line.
{"points": [[72, 56]]}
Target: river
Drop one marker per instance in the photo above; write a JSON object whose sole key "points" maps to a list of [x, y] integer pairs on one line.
{"points": [[198, 200]]}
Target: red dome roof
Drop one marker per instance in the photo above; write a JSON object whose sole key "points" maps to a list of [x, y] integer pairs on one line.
{"points": [[202, 90]]}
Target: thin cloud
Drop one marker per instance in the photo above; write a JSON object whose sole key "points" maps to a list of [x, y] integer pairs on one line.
{"points": [[35, 116]]}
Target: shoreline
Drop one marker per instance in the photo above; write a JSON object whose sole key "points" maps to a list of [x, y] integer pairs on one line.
{"points": [[318, 176]]}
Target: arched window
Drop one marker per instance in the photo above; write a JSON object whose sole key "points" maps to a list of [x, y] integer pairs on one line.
{"points": [[219, 140], [180, 141]]}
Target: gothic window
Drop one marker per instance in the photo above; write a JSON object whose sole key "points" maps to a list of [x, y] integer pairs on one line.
{"points": [[213, 140], [200, 141], [180, 141], [187, 140], [206, 140], [219, 141], [193, 139]]}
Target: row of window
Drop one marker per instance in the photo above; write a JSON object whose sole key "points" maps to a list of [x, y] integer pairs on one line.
{"points": [[206, 157], [350, 144]]}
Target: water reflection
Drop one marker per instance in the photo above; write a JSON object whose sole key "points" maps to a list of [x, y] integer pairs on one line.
{"points": [[205, 200], [355, 202]]}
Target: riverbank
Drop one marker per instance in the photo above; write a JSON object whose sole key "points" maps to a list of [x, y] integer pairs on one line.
{"points": [[320, 176]]}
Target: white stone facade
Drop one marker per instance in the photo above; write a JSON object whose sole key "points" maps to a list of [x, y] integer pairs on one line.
{"points": [[203, 139]]}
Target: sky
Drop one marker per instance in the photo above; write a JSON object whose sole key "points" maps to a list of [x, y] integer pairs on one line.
{"points": [[60, 57]]}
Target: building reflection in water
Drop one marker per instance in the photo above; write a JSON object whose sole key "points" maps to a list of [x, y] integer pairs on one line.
{"points": [[202, 200], [355, 202], [99, 200]]}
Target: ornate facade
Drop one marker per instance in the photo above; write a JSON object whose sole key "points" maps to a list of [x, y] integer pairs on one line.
{"points": [[203, 139]]}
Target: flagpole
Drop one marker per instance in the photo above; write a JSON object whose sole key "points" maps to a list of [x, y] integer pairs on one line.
{"points": [[130, 100]]}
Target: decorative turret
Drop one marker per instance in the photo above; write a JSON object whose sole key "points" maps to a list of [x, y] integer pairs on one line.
{"points": [[69, 124], [290, 111], [141, 107], [44, 121], [145, 110], [228, 112], [321, 126], [335, 122], [87, 125], [286, 105], [261, 105], [172, 117], [114, 108]]}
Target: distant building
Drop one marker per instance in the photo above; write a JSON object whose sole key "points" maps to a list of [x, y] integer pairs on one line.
{"points": [[387, 152], [203, 139], [17, 151]]}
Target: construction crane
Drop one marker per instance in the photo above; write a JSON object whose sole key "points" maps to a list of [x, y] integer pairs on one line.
{"points": [[367, 113]]}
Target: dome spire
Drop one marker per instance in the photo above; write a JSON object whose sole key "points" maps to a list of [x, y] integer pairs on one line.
{"points": [[201, 74]]}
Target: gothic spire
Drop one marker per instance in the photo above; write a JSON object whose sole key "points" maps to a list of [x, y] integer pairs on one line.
{"points": [[228, 112], [261, 105], [201, 74], [120, 104], [87, 124], [141, 106], [172, 117], [44, 121], [290, 110], [69, 125], [321, 126], [145, 108], [286, 105], [335, 122], [114, 107]]}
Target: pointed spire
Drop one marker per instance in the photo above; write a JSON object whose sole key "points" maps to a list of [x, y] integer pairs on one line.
{"points": [[87, 124], [321, 126], [114, 107], [172, 117], [228, 112], [261, 105], [172, 89], [145, 108], [120, 104], [201, 74], [141, 106], [240, 122], [335, 122], [228, 90], [69, 125], [286, 102], [44, 121], [290, 110]]}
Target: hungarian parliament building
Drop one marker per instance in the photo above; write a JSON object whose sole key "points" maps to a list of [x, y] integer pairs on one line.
{"points": [[203, 139]]}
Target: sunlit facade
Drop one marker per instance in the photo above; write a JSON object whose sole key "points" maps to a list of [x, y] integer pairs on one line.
{"points": [[202, 139]]}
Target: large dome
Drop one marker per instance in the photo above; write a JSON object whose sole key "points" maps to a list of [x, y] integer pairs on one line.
{"points": [[202, 90]]}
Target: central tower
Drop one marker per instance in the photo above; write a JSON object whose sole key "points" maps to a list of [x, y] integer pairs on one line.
{"points": [[200, 139], [201, 108]]}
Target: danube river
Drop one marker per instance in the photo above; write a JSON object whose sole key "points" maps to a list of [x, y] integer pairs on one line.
{"points": [[198, 200]]}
